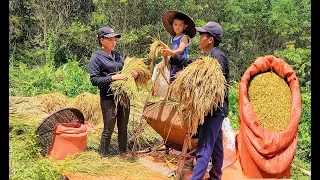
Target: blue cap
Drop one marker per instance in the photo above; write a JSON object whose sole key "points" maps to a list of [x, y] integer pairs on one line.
{"points": [[107, 32], [212, 28]]}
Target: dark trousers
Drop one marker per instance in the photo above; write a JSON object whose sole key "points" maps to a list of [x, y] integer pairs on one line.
{"points": [[210, 145], [109, 119]]}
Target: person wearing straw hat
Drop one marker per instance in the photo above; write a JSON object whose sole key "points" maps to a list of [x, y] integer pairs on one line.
{"points": [[103, 65], [182, 29], [210, 143]]}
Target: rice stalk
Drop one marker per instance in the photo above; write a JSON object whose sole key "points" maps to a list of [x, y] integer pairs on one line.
{"points": [[199, 88], [154, 48], [126, 90], [144, 75], [154, 52]]}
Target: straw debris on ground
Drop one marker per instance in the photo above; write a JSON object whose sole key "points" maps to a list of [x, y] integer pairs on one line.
{"points": [[270, 97], [89, 165], [126, 90]]}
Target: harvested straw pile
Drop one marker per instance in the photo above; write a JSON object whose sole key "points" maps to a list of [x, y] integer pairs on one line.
{"points": [[26, 105], [89, 105], [26, 110], [54, 101], [270, 97], [124, 91], [198, 88]]}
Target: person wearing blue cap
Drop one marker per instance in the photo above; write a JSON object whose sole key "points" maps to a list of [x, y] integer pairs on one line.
{"points": [[103, 65], [210, 143]]}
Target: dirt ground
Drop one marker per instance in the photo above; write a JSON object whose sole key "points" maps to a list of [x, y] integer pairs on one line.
{"points": [[161, 165]]}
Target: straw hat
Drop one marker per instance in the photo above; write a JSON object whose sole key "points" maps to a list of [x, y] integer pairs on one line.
{"points": [[167, 20]]}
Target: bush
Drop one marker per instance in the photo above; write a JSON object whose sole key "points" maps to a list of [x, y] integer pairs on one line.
{"points": [[304, 129], [233, 105], [27, 81], [73, 80], [69, 79]]}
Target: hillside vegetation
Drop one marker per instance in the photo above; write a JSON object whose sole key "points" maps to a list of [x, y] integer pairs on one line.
{"points": [[50, 43]]}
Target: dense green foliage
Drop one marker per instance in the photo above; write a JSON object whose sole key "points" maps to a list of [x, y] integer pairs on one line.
{"points": [[68, 79], [50, 43], [304, 129], [24, 156], [41, 31]]}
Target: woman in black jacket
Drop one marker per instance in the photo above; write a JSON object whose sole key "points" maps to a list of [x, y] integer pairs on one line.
{"points": [[103, 65]]}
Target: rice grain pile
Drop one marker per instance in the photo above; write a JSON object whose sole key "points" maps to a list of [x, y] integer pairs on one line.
{"points": [[126, 90], [198, 88], [270, 97]]}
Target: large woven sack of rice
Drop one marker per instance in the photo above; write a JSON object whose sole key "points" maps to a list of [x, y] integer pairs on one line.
{"points": [[269, 114]]}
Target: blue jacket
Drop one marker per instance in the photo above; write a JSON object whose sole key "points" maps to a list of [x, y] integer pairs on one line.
{"points": [[222, 58], [101, 68]]}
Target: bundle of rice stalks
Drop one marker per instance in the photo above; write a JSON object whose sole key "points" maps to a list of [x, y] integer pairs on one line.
{"points": [[89, 105], [127, 90], [198, 89], [144, 75], [154, 51], [154, 48], [54, 101]]}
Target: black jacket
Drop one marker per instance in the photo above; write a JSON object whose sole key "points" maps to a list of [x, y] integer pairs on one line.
{"points": [[101, 68], [222, 58]]}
